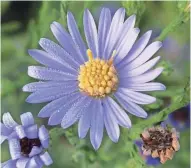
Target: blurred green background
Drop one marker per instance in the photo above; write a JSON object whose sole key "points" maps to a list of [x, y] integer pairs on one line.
{"points": [[24, 23]]}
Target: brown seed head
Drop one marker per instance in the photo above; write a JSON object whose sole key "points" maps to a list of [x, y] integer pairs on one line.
{"points": [[160, 142]]}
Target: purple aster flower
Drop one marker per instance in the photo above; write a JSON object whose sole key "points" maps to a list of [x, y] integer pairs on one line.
{"points": [[26, 142], [82, 83], [180, 119]]}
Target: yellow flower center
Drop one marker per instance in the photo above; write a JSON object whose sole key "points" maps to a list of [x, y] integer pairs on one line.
{"points": [[97, 77]]}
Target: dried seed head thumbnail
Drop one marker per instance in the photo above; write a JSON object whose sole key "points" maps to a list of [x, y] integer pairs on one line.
{"points": [[160, 142]]}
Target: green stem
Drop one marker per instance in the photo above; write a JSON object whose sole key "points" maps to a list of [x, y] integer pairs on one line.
{"points": [[178, 21]]}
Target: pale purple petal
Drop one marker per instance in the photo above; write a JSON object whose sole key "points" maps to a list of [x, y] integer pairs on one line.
{"points": [[90, 31], [136, 49], [49, 94], [4, 130], [35, 86], [152, 86], [65, 40], [127, 26], [9, 164], [35, 151], [32, 131], [22, 162], [103, 29], [34, 162], [130, 106], [114, 32], [50, 108], [141, 69], [125, 45], [27, 119], [20, 131], [13, 135], [146, 77], [144, 56], [59, 113], [62, 36], [85, 120], [136, 97], [44, 136], [14, 148], [122, 117], [97, 125], [50, 61], [111, 124], [75, 112], [56, 51], [8, 121], [44, 73], [74, 32], [46, 159]]}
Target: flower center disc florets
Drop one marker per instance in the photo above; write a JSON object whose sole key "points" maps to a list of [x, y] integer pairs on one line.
{"points": [[27, 145], [97, 77]]}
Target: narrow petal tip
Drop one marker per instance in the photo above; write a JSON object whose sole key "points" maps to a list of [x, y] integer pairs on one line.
{"points": [[133, 17], [137, 30], [41, 41], [41, 114], [96, 146], [144, 115], [86, 10], [115, 140], [160, 69], [154, 100], [64, 126], [130, 124], [54, 25], [8, 121], [46, 159], [25, 88], [96, 143], [121, 9], [81, 136], [27, 119], [31, 71], [53, 121], [69, 14], [28, 99], [159, 44], [163, 87], [30, 51], [149, 32]]}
